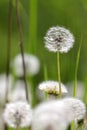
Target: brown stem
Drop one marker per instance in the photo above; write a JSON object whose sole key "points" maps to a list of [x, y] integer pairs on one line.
{"points": [[17, 128], [5, 126], [8, 54], [21, 47]]}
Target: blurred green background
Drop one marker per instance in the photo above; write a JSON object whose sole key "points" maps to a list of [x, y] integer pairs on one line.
{"points": [[37, 17]]}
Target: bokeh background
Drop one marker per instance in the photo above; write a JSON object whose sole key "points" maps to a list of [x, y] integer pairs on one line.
{"points": [[37, 17]]}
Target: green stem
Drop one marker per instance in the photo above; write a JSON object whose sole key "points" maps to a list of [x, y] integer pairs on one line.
{"points": [[73, 126], [33, 25], [59, 78], [8, 54], [76, 69], [21, 47], [45, 73], [33, 36], [8, 49], [45, 78]]}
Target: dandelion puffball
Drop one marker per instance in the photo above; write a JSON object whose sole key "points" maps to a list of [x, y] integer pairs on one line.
{"points": [[59, 39], [18, 114], [52, 87], [77, 107], [51, 115], [32, 65]]}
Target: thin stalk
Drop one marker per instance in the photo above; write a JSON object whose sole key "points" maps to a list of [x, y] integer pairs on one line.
{"points": [[8, 49], [45, 78], [8, 54], [33, 35], [85, 91], [33, 7], [76, 69], [5, 126], [33, 91], [17, 128], [73, 126], [45, 73], [59, 78], [21, 47]]}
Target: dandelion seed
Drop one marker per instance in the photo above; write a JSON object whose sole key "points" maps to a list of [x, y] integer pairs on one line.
{"points": [[77, 107], [18, 114], [32, 65], [59, 39], [50, 115], [52, 87]]}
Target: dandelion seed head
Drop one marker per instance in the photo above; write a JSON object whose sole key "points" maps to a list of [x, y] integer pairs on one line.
{"points": [[52, 87], [18, 114], [77, 107], [59, 39], [32, 65], [52, 114]]}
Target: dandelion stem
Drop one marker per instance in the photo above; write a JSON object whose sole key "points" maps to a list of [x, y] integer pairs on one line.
{"points": [[73, 126], [21, 46], [45, 78], [8, 54], [59, 78], [17, 128], [8, 49], [45, 73], [33, 5], [33, 36], [76, 69]]}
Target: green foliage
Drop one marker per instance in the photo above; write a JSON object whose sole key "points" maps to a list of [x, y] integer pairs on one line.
{"points": [[35, 22]]}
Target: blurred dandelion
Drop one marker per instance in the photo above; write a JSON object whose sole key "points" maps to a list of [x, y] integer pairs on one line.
{"points": [[18, 93], [32, 65], [52, 87], [51, 115], [18, 114], [77, 107]]}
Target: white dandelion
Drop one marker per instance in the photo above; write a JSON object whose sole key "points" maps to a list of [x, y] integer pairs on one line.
{"points": [[32, 65], [18, 114], [77, 107], [3, 87], [51, 115], [59, 39], [18, 92], [52, 87]]}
